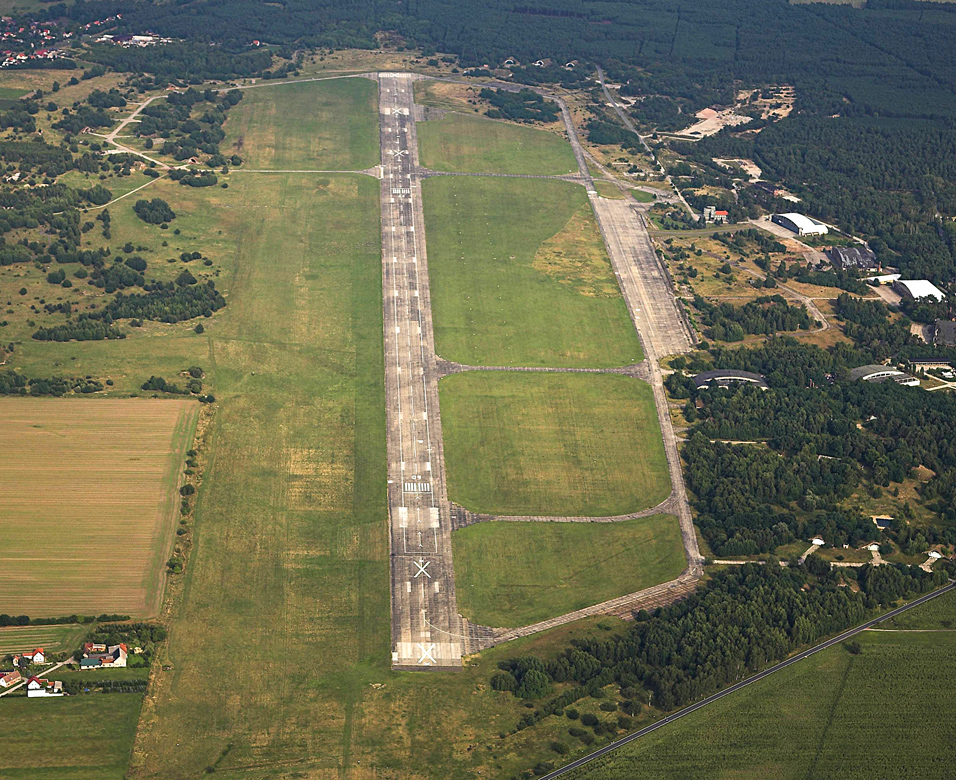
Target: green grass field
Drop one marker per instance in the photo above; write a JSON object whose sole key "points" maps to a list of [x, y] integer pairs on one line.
{"points": [[519, 276], [288, 586], [69, 738], [470, 144], [514, 574], [884, 714], [552, 444], [324, 125]]}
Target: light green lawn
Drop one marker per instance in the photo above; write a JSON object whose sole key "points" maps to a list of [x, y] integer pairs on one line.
{"points": [[322, 125], [520, 277], [513, 574], [552, 444], [470, 144]]}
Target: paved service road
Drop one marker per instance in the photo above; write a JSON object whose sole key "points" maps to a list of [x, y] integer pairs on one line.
{"points": [[427, 631], [743, 684]]}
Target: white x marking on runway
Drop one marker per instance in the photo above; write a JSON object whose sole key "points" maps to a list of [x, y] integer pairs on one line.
{"points": [[427, 653], [422, 564]]}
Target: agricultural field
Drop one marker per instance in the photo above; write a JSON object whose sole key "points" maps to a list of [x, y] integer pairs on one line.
{"points": [[470, 144], [53, 639], [325, 125], [513, 574], [90, 497], [883, 714], [552, 444], [75, 738], [520, 276]]}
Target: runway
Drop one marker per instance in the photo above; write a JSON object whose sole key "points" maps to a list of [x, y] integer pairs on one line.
{"points": [[427, 631]]}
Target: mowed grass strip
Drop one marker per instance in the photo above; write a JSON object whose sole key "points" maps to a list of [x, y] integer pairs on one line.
{"points": [[469, 144], [552, 444], [321, 125], [287, 589], [77, 738], [19, 639], [520, 277], [880, 715], [89, 497], [513, 574]]}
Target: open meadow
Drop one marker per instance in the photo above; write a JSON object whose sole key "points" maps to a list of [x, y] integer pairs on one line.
{"points": [[71, 738], [552, 444], [469, 144], [287, 589], [322, 125], [886, 713], [519, 276], [513, 574], [90, 498]]}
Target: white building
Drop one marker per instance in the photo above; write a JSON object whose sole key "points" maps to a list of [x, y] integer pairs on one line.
{"points": [[800, 224], [37, 688], [918, 288]]}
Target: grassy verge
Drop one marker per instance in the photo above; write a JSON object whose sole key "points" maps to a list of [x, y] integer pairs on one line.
{"points": [[328, 125], [816, 719], [520, 276], [469, 144], [514, 574], [552, 444]]}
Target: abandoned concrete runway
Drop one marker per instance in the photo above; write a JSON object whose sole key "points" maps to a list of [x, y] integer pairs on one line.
{"points": [[427, 631]]}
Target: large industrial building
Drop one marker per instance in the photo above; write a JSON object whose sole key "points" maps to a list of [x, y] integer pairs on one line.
{"points": [[878, 374], [800, 224], [845, 258], [914, 289], [728, 377]]}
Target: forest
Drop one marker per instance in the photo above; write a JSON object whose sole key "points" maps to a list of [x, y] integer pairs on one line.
{"points": [[737, 623], [766, 315]]}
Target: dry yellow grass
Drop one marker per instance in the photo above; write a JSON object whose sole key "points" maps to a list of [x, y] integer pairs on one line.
{"points": [[89, 495]]}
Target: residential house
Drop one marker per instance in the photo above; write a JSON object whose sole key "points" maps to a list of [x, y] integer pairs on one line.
{"points": [[9, 678], [35, 657], [99, 656], [37, 688]]}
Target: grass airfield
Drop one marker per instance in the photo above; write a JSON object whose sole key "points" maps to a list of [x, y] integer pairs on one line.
{"points": [[552, 444], [469, 144], [520, 277]]}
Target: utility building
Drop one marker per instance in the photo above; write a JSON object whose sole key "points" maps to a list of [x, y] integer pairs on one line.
{"points": [[914, 289], [800, 224]]}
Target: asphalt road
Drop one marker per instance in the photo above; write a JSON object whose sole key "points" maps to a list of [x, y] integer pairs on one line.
{"points": [[743, 684]]}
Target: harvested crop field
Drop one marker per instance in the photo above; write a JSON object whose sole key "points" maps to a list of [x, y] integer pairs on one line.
{"points": [[89, 494]]}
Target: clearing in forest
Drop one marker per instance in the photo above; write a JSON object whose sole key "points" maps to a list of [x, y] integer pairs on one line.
{"points": [[90, 496]]}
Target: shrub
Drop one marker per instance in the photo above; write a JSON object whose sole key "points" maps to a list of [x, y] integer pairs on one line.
{"points": [[187, 490], [154, 212], [589, 719], [560, 748]]}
